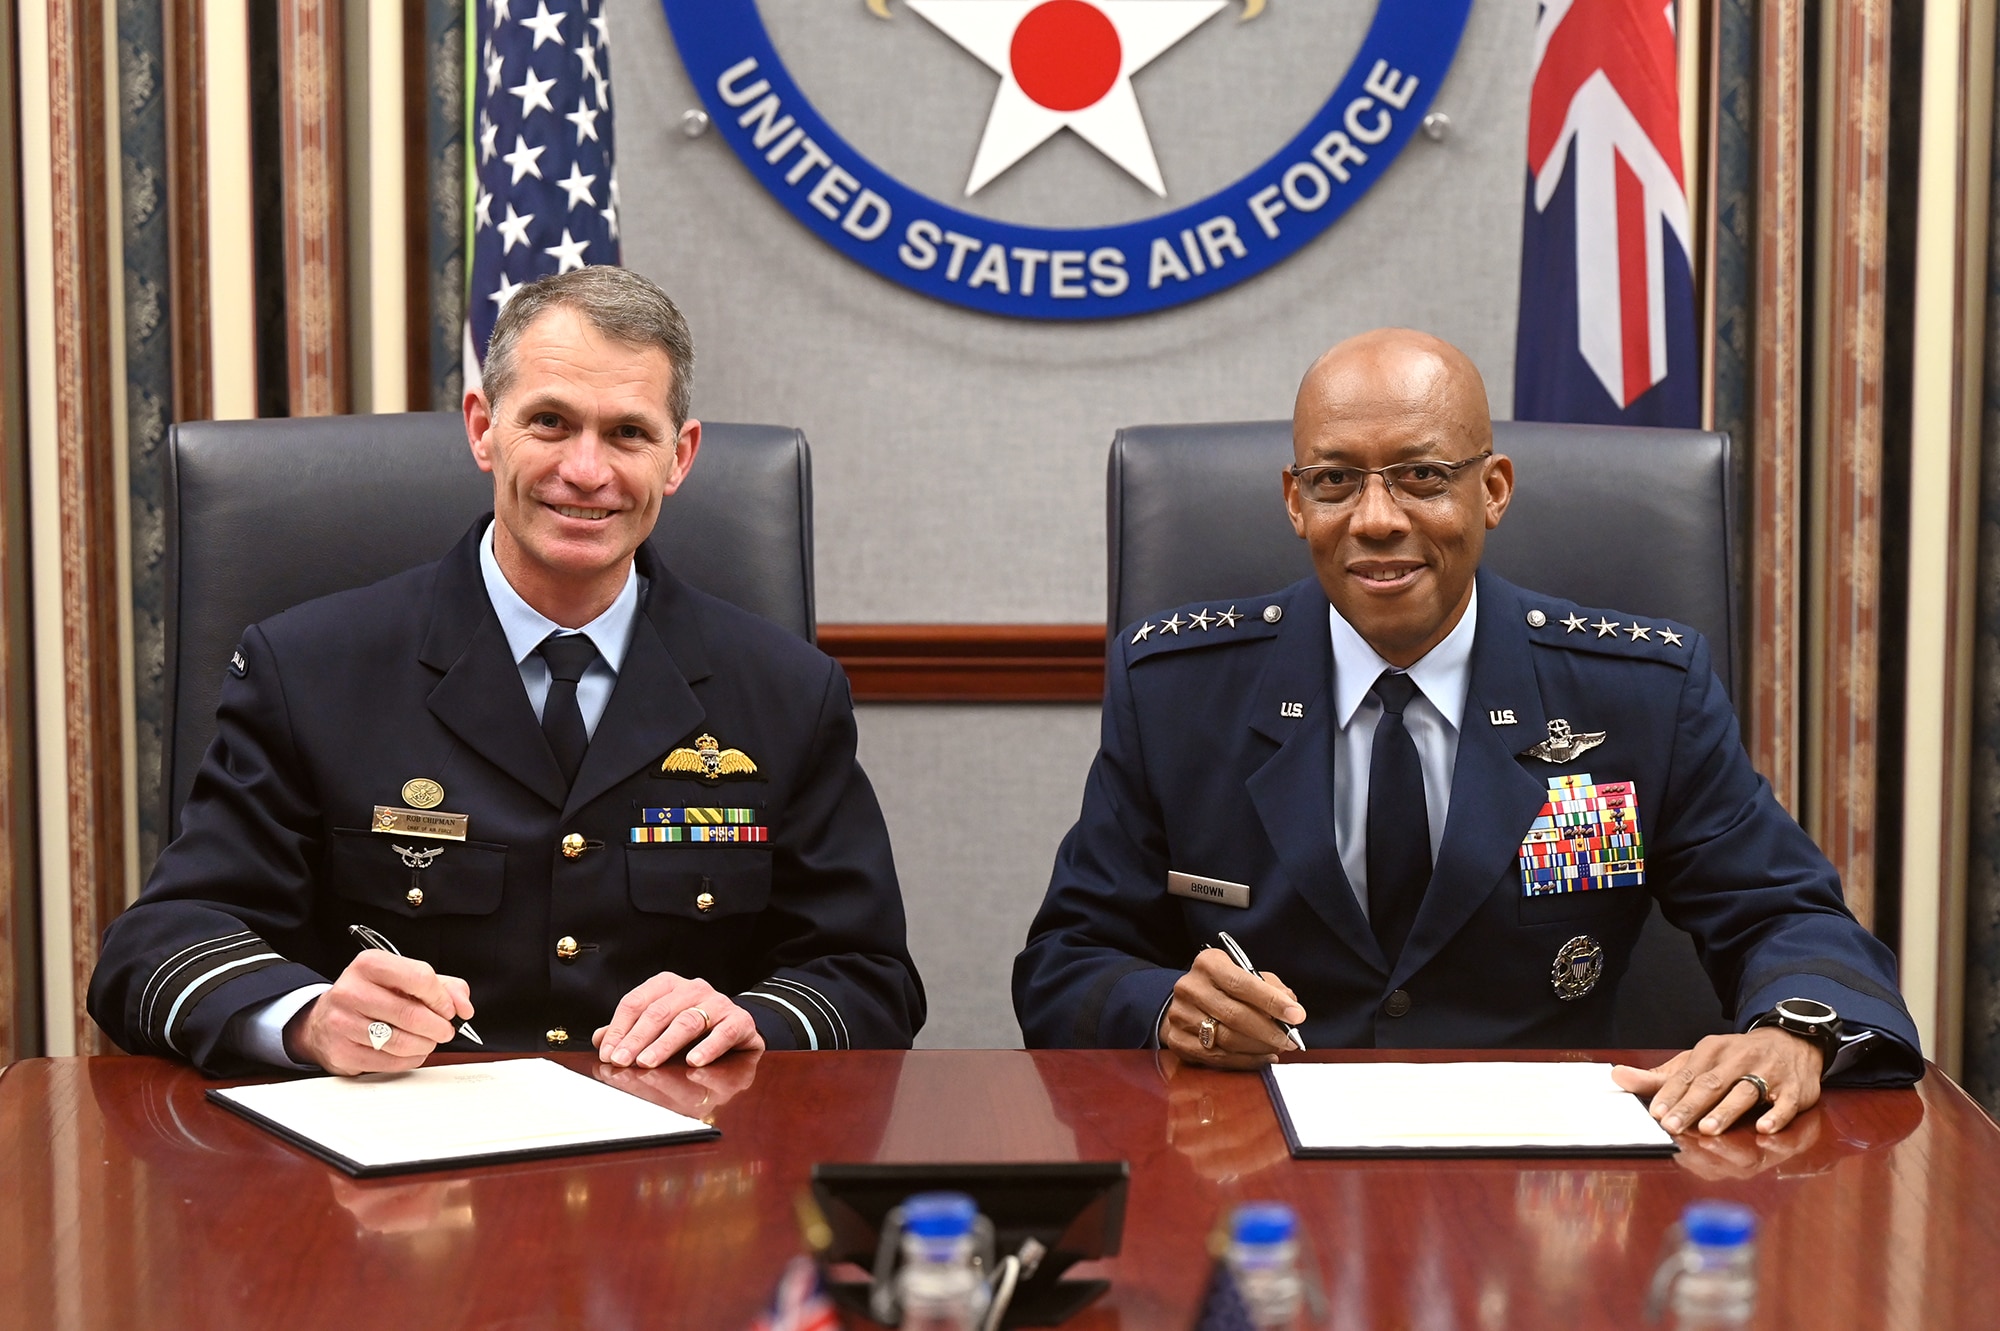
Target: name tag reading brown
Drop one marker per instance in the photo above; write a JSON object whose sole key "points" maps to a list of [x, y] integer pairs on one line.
{"points": [[421, 822], [1209, 889]]}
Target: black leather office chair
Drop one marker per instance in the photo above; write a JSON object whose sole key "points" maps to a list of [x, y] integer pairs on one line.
{"points": [[1639, 520], [261, 515]]}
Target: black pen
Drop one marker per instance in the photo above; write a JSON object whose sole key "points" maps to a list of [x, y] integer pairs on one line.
{"points": [[370, 939], [1242, 958]]}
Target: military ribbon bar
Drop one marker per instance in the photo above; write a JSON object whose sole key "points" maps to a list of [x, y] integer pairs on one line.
{"points": [[699, 833], [1586, 839], [705, 817]]}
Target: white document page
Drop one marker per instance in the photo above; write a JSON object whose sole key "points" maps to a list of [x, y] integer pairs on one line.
{"points": [[458, 1111], [1468, 1107]]}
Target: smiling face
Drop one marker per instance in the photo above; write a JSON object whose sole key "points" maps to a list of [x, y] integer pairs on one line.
{"points": [[582, 448], [1399, 570]]}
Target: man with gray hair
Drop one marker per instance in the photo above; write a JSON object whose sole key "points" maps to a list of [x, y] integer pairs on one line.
{"points": [[574, 797]]}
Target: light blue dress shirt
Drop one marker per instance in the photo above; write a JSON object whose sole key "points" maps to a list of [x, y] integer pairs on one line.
{"points": [[263, 1029], [1433, 718]]}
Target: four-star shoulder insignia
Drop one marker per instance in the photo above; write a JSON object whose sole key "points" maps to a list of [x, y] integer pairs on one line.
{"points": [[1574, 622], [1629, 636], [1196, 625]]}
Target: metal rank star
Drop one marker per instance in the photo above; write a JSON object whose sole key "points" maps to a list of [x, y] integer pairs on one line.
{"points": [[1172, 625], [1565, 745], [1574, 622], [1200, 619], [1605, 628], [1670, 637]]}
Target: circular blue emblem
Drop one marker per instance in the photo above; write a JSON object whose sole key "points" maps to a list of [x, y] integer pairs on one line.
{"points": [[1067, 272]]}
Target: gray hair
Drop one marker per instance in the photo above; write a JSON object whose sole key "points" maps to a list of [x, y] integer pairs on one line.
{"points": [[618, 304]]}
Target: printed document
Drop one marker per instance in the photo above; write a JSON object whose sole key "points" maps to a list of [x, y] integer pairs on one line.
{"points": [[1461, 1108]]}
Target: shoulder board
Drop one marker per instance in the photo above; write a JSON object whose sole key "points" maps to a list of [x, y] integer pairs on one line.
{"points": [[1203, 624], [1571, 627]]}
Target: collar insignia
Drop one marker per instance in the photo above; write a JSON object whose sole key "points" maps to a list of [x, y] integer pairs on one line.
{"points": [[707, 761], [1563, 744]]}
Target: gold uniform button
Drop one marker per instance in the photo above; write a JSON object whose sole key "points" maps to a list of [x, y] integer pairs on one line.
{"points": [[705, 902], [557, 1035], [415, 896], [572, 846], [566, 948]]}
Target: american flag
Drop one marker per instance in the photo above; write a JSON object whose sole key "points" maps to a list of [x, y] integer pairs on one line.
{"points": [[1606, 330], [544, 192]]}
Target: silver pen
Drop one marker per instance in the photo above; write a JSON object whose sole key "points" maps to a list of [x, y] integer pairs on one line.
{"points": [[371, 939], [1242, 958]]}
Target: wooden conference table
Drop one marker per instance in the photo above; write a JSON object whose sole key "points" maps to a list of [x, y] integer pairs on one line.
{"points": [[127, 1200]]}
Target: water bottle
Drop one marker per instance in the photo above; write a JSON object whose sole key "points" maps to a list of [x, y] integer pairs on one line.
{"points": [[1710, 1280], [1263, 1260], [937, 1286]]}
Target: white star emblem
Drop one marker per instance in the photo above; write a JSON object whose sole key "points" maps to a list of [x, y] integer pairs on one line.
{"points": [[1228, 618], [1639, 631], [488, 133], [1201, 619], [503, 294], [1605, 628], [603, 28], [547, 26], [604, 94], [500, 12], [482, 211], [534, 94], [495, 63], [585, 120], [1171, 625], [569, 253], [1145, 632], [577, 186], [1574, 622], [610, 216], [1670, 637], [514, 229], [1066, 64], [588, 55], [522, 159]]}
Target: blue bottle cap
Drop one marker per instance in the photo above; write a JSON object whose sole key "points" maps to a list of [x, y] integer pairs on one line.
{"points": [[1263, 1222], [1718, 1224], [939, 1215]]}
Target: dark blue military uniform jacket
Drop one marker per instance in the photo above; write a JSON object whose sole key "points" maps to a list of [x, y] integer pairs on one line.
{"points": [[1217, 761], [338, 702]]}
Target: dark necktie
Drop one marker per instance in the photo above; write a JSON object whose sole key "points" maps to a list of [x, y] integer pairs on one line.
{"points": [[568, 655], [1399, 825]]}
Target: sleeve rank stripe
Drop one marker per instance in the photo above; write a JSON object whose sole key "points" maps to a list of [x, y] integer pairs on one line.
{"points": [[187, 956], [209, 982], [836, 1026], [801, 1027], [680, 815]]}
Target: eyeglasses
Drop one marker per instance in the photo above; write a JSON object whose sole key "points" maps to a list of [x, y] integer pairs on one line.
{"points": [[1333, 483]]}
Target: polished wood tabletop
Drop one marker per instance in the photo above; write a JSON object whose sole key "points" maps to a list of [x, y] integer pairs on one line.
{"points": [[128, 1200]]}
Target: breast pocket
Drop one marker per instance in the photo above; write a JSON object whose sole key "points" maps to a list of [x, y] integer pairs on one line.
{"points": [[1597, 904], [416, 878], [706, 884]]}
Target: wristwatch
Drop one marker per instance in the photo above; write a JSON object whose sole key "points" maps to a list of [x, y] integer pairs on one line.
{"points": [[1809, 1019]]}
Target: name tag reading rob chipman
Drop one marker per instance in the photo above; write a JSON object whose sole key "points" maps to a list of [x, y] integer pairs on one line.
{"points": [[1209, 889]]}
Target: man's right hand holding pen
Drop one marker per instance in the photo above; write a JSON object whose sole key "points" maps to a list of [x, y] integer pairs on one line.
{"points": [[1248, 1011], [416, 1002]]}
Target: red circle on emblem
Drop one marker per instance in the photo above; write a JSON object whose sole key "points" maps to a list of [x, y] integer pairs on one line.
{"points": [[1066, 54]]}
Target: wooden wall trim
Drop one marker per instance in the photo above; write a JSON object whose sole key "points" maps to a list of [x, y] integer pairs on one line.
{"points": [[1844, 693], [187, 208], [969, 662], [86, 482], [1776, 392], [315, 214]]}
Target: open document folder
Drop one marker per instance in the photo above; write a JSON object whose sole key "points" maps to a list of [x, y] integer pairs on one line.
{"points": [[458, 1113], [1331, 1109]]}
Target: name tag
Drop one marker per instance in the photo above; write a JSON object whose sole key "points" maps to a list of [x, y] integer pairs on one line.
{"points": [[1209, 889], [417, 822]]}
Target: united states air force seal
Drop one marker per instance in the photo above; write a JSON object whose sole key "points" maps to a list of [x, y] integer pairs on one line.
{"points": [[1577, 968]]}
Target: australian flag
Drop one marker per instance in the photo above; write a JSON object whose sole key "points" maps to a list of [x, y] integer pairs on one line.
{"points": [[545, 199], [1607, 330]]}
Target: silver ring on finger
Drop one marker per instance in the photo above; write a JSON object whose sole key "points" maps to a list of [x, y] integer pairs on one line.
{"points": [[379, 1034], [1763, 1088], [705, 1022], [1207, 1030]]}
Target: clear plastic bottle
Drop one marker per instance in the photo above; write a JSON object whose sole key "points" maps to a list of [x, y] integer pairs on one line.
{"points": [[937, 1286], [1711, 1281], [1264, 1262]]}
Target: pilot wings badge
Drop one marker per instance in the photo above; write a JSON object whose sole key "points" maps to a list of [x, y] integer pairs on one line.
{"points": [[707, 761], [1563, 744]]}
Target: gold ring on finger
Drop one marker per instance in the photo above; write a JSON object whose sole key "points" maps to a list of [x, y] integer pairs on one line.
{"points": [[704, 1018], [1763, 1087], [1207, 1029]]}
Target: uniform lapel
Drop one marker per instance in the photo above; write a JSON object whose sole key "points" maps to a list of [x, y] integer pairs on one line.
{"points": [[1293, 790], [1493, 800], [652, 706], [480, 698]]}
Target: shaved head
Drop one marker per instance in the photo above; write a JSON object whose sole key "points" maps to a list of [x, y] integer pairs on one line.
{"points": [[1397, 564]]}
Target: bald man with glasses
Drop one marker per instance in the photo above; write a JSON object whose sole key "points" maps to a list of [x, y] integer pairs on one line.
{"points": [[1438, 805]]}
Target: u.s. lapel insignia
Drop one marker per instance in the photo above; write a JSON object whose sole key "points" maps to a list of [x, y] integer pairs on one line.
{"points": [[1577, 968], [707, 761], [1563, 744]]}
